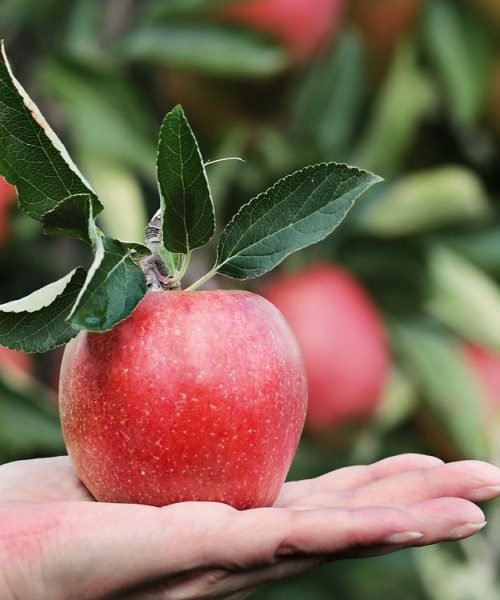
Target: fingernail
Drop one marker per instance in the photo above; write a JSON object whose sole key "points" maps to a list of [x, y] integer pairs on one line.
{"points": [[404, 537], [485, 493], [466, 530]]}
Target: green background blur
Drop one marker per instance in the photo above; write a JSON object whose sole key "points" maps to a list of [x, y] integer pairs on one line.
{"points": [[407, 88]]}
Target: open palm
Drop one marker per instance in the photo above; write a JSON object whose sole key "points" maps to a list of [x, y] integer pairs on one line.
{"points": [[56, 542]]}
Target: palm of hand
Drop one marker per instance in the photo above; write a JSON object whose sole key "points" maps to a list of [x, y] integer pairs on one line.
{"points": [[57, 542]]}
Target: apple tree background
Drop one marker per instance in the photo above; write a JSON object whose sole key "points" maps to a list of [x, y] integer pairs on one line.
{"points": [[409, 89]]}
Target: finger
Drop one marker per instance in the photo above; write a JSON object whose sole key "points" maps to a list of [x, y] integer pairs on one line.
{"points": [[41, 480], [353, 477], [125, 545], [209, 584], [472, 480]]}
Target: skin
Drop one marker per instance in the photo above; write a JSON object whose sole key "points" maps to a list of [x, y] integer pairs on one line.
{"points": [[57, 542], [343, 342]]}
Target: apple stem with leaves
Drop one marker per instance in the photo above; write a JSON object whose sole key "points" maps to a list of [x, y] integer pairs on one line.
{"points": [[158, 277], [299, 210]]}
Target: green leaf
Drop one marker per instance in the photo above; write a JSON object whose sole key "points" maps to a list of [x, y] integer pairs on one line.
{"points": [[38, 323], [448, 386], [427, 200], [406, 98], [31, 155], [463, 297], [71, 217], [329, 103], [459, 47], [298, 211], [124, 215], [207, 47], [26, 427], [107, 118], [114, 286], [159, 9], [188, 219]]}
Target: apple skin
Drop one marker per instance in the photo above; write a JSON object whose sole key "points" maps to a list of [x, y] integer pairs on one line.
{"points": [[343, 342], [196, 396], [7, 199], [304, 26]]}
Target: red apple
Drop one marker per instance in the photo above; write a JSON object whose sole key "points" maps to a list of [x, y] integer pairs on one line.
{"points": [[15, 365], [304, 26], [485, 364], [196, 396], [7, 199], [343, 342], [383, 23]]}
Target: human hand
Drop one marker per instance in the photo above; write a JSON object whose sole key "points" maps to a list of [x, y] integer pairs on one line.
{"points": [[56, 542]]}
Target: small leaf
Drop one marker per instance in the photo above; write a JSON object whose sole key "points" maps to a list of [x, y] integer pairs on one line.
{"points": [[206, 47], [171, 260], [188, 219], [38, 323], [31, 155], [113, 288], [71, 217], [298, 211]]}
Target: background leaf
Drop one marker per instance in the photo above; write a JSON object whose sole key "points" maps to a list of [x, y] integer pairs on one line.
{"points": [[298, 211], [426, 200], [459, 47], [26, 427], [38, 323], [188, 219], [447, 385], [463, 297], [205, 47]]}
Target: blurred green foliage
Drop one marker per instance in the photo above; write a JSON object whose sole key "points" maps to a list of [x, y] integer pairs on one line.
{"points": [[426, 244]]}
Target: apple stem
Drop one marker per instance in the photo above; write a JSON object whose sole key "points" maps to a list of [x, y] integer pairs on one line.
{"points": [[202, 280], [155, 270]]}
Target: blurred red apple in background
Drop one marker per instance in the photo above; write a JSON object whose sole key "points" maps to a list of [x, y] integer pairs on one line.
{"points": [[343, 342], [383, 23], [485, 364], [304, 26], [491, 9], [196, 396], [15, 365], [7, 199]]}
